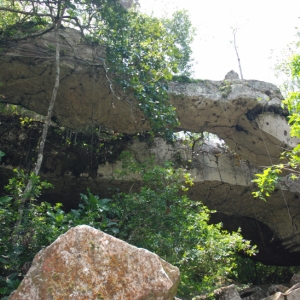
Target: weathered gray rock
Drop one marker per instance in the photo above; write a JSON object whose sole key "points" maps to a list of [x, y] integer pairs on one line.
{"points": [[295, 279], [227, 293], [252, 293], [86, 263], [291, 294], [232, 75], [222, 182], [277, 288], [247, 114]]}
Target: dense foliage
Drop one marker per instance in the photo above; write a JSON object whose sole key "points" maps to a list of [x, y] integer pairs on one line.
{"points": [[270, 177], [143, 56], [142, 52], [158, 217], [248, 270]]}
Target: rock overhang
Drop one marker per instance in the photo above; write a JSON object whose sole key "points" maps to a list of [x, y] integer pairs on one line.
{"points": [[247, 114], [222, 180]]}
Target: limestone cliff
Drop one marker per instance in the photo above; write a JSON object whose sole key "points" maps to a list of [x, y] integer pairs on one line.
{"points": [[247, 114]]}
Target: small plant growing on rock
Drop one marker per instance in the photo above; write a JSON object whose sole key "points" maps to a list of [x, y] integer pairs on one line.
{"points": [[225, 88]]}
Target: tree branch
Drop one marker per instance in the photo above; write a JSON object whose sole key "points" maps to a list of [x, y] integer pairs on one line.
{"points": [[28, 13], [47, 123], [237, 54], [32, 35]]}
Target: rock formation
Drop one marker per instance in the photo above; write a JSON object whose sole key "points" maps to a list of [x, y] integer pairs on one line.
{"points": [[291, 294], [222, 180], [262, 292], [86, 263], [275, 292], [246, 114], [231, 75], [227, 293]]}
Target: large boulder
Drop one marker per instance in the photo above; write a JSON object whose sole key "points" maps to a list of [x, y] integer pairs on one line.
{"points": [[86, 263], [227, 293], [292, 294], [295, 279]]}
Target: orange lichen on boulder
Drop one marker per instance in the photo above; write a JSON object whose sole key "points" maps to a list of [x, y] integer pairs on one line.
{"points": [[86, 263]]}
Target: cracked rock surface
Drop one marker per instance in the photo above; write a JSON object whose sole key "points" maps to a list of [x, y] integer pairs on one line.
{"points": [[85, 263], [222, 181], [247, 114]]}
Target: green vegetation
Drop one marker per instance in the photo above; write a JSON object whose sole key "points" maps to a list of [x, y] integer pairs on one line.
{"points": [[225, 88], [185, 79], [142, 52], [270, 177], [142, 55], [183, 31], [248, 270], [158, 217]]}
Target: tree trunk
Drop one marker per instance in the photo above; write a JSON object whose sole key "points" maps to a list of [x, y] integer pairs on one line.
{"points": [[47, 123], [237, 54]]}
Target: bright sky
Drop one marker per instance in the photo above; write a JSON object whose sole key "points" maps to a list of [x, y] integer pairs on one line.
{"points": [[265, 27]]}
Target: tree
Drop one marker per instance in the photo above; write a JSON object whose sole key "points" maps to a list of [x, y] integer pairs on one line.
{"points": [[234, 31], [142, 53], [161, 218], [181, 26], [158, 216], [55, 13], [270, 177]]}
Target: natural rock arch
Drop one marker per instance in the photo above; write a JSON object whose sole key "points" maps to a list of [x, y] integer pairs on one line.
{"points": [[247, 114]]}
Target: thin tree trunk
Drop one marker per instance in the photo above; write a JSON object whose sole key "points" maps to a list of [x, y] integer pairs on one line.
{"points": [[237, 54], [51, 104], [47, 123]]}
